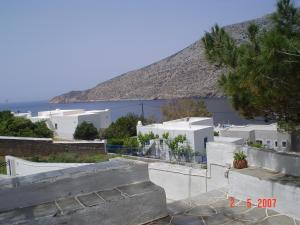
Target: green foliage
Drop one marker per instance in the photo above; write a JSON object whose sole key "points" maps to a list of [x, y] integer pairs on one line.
{"points": [[177, 147], [264, 76], [131, 142], [115, 141], [123, 127], [216, 133], [22, 127], [165, 135], [86, 131], [256, 145], [144, 138], [220, 47], [239, 155], [70, 157], [180, 108]]}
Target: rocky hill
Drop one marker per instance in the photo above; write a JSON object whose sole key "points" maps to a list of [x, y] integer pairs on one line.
{"points": [[184, 74]]}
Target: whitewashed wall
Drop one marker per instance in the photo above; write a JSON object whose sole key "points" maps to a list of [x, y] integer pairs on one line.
{"points": [[20, 167]]}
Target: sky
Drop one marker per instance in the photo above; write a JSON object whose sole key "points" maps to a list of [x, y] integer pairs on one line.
{"points": [[49, 47]]}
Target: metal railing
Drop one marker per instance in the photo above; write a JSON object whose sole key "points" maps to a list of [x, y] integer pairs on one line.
{"points": [[132, 151]]}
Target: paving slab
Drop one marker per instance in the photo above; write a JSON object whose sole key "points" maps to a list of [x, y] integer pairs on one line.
{"points": [[187, 220], [278, 220], [111, 195], [69, 205], [90, 200], [202, 210], [135, 189], [46, 209]]}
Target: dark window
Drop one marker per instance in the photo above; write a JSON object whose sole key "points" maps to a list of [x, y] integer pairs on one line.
{"points": [[55, 126], [276, 144], [161, 141], [259, 142], [205, 141], [283, 144]]}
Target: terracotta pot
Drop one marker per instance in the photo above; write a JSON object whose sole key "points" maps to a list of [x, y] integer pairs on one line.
{"points": [[240, 164]]}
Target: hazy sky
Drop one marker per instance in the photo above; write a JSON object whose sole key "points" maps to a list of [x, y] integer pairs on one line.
{"points": [[55, 46]]}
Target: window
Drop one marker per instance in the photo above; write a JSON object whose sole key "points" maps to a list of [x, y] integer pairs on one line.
{"points": [[55, 126], [259, 142], [269, 144], [161, 141], [276, 144], [283, 144]]}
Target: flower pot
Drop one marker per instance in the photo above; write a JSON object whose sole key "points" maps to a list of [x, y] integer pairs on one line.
{"points": [[240, 164]]}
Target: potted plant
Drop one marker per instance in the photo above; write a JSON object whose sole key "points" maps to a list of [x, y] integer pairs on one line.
{"points": [[240, 161]]}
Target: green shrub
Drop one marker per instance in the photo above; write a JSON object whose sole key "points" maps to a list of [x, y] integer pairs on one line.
{"points": [[115, 141], [239, 155], [86, 131], [22, 127]]}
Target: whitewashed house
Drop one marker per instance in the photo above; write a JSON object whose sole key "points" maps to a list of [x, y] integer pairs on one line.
{"points": [[267, 135], [64, 122], [197, 130]]}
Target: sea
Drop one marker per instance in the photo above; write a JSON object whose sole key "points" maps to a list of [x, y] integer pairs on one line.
{"points": [[222, 111]]}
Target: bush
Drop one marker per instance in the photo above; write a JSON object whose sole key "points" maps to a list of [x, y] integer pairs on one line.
{"points": [[124, 127], [86, 131], [115, 141], [22, 127]]}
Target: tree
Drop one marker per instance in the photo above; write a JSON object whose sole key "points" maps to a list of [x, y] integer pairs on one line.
{"points": [[263, 77], [124, 127], [22, 127], [176, 145], [86, 131], [184, 108], [144, 138]]}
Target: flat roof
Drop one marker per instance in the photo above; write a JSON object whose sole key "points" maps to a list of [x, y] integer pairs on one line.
{"points": [[270, 127], [226, 139], [174, 127]]}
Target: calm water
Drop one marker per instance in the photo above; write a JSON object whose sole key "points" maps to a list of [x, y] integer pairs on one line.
{"points": [[221, 109]]}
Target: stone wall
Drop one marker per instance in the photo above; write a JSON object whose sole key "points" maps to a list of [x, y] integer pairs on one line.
{"points": [[44, 146]]}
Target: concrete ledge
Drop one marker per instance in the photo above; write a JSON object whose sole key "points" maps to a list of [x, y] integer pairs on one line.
{"points": [[257, 183], [44, 187]]}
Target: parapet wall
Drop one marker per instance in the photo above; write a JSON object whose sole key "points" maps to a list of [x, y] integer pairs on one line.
{"points": [[17, 146], [21, 167], [283, 162]]}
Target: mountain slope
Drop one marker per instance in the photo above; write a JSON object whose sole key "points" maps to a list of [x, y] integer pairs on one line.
{"points": [[184, 74]]}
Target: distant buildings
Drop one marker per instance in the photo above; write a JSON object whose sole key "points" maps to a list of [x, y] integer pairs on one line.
{"points": [[64, 122], [266, 135], [197, 130]]}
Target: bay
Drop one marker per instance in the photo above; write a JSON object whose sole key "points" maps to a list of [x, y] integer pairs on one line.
{"points": [[222, 111]]}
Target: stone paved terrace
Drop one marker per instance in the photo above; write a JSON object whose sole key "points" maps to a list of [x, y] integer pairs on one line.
{"points": [[213, 208]]}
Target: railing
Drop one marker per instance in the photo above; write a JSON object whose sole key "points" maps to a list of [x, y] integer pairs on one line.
{"points": [[3, 165], [190, 157]]}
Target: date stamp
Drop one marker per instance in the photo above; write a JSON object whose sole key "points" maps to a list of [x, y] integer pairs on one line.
{"points": [[260, 202]]}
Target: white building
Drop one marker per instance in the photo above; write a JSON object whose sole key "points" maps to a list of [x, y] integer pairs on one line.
{"points": [[267, 135], [64, 122], [198, 131]]}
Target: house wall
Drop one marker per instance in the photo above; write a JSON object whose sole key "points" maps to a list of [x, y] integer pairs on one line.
{"points": [[66, 126], [246, 135], [199, 136]]}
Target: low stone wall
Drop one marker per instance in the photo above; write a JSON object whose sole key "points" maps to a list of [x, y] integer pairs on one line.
{"points": [[283, 162], [114, 192], [21, 167], [17, 146]]}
